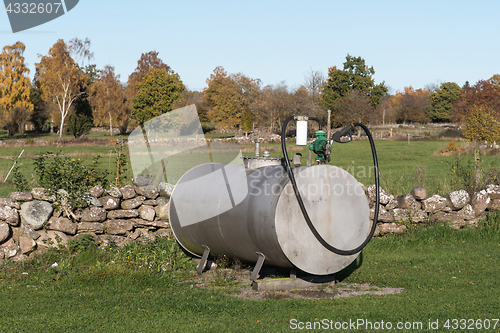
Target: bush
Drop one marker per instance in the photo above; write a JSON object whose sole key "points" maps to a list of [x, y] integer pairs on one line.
{"points": [[453, 147], [473, 173], [451, 133], [20, 182], [55, 173], [79, 125], [83, 243], [206, 127], [481, 125], [163, 255]]}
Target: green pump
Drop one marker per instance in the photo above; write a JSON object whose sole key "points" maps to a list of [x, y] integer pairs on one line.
{"points": [[321, 147]]}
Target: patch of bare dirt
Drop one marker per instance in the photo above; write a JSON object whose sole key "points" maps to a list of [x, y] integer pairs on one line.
{"points": [[322, 291], [235, 282]]}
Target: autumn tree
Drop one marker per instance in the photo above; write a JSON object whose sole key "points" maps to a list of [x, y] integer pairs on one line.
{"points": [[108, 100], [484, 92], [314, 82], [386, 111], [482, 125], [261, 109], [413, 106], [354, 107], [356, 75], [229, 97], [300, 103], [313, 87], [15, 105], [61, 77], [148, 61], [156, 93], [276, 102], [279, 105], [442, 100], [495, 81], [190, 97]]}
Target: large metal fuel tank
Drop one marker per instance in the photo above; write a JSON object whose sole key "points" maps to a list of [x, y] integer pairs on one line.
{"points": [[242, 210]]}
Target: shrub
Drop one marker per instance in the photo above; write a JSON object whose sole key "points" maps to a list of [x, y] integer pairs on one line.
{"points": [[207, 127], [451, 133], [121, 163], [79, 125], [481, 125], [452, 147], [473, 173], [83, 243], [162, 255], [55, 173], [20, 182]]}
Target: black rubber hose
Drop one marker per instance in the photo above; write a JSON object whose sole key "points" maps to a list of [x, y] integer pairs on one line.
{"points": [[301, 203], [316, 120]]}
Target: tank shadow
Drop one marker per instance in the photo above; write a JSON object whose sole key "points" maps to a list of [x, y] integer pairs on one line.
{"points": [[346, 272]]}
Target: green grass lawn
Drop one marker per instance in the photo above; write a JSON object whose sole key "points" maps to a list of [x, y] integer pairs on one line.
{"points": [[445, 273], [401, 166]]}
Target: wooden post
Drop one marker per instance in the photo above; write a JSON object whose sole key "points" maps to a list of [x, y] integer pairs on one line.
{"points": [[328, 125]]}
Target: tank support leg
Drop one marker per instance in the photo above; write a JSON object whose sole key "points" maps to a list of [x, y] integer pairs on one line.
{"points": [[203, 260], [258, 266]]}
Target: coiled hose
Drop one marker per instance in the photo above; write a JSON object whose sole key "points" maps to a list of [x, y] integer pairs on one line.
{"points": [[336, 136]]}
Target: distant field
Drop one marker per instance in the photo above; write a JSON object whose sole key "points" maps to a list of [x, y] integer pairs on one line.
{"points": [[402, 165], [25, 163], [53, 136]]}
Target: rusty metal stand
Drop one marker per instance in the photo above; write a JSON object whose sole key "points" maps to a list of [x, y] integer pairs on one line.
{"points": [[203, 260], [258, 266]]}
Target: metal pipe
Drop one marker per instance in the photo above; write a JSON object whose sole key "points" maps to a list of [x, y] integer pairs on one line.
{"points": [[328, 125], [257, 147]]}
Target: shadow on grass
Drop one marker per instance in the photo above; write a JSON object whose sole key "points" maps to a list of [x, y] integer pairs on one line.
{"points": [[346, 272]]}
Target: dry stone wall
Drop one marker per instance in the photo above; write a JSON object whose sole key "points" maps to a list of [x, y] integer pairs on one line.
{"points": [[456, 208], [29, 222]]}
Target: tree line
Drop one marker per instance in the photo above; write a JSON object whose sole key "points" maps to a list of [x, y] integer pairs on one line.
{"points": [[71, 94]]}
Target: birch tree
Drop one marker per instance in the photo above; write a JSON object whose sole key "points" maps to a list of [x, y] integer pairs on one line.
{"points": [[60, 76], [108, 99]]}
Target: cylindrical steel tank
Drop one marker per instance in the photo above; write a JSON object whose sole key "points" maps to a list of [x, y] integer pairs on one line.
{"points": [[239, 211]]}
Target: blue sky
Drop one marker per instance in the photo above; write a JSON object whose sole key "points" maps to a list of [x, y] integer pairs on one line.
{"points": [[413, 43]]}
